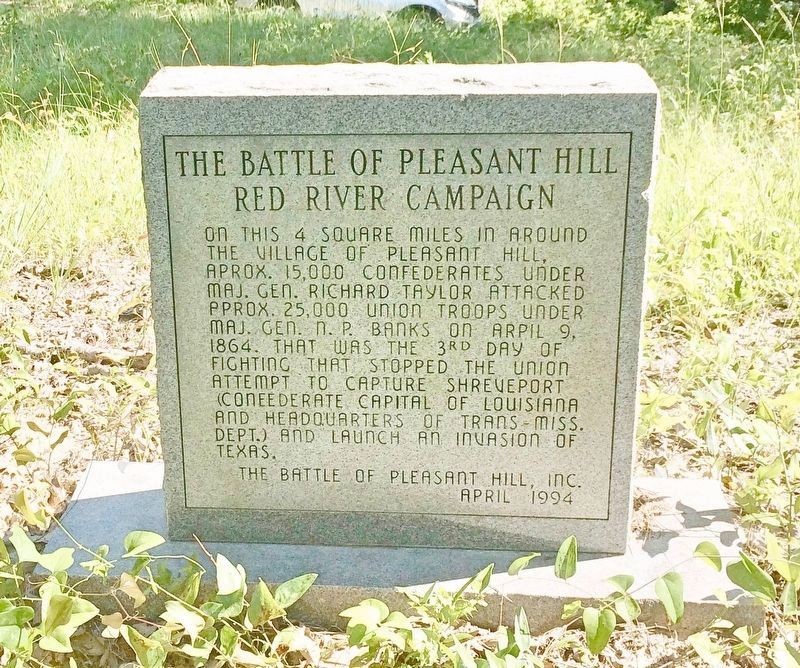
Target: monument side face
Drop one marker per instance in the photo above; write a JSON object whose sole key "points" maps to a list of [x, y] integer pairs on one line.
{"points": [[399, 306]]}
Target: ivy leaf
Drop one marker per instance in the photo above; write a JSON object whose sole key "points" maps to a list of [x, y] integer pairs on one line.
{"points": [[567, 558], [707, 649], [23, 455], [59, 560], [709, 553], [8, 425], [294, 639], [98, 566], [571, 609], [33, 426], [26, 550], [263, 606], [200, 649], [229, 577], [784, 655], [212, 608], [36, 518], [149, 653], [82, 612], [368, 613], [621, 583], [59, 439], [59, 610], [128, 585], [787, 565], [47, 591], [291, 591], [750, 577], [11, 615], [770, 471], [231, 588], [521, 562], [188, 588], [177, 612], [137, 542], [789, 599], [598, 626], [355, 634], [62, 615], [228, 640], [484, 578], [748, 642], [140, 564], [522, 630], [16, 639], [58, 640], [627, 608], [669, 589], [480, 581], [112, 622], [230, 604], [63, 410], [397, 620]]}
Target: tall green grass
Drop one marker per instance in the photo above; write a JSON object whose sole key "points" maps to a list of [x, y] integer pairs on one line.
{"points": [[68, 187], [100, 58], [725, 227], [725, 231]]}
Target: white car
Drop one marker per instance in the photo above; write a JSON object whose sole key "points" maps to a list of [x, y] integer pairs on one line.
{"points": [[453, 12]]}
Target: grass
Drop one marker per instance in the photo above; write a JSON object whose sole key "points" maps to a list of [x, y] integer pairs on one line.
{"points": [[725, 240], [67, 192], [721, 328], [725, 251], [722, 341], [70, 74], [103, 62]]}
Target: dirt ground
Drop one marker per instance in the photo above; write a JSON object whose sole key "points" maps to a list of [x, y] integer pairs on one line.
{"points": [[87, 337]]}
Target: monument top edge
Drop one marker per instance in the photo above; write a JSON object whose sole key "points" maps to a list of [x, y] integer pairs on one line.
{"points": [[381, 79]]}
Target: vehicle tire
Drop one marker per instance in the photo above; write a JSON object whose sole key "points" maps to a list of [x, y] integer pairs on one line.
{"points": [[418, 12], [288, 4]]}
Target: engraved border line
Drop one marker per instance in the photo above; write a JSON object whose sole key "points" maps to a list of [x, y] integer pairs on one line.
{"points": [[175, 323], [400, 134]]}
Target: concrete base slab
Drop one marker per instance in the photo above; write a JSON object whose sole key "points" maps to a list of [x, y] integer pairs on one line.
{"points": [[115, 498]]}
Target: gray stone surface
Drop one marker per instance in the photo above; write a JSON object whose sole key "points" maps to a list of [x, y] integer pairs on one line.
{"points": [[463, 371], [117, 497]]}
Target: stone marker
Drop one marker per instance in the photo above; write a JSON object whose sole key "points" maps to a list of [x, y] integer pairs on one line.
{"points": [[399, 305]]}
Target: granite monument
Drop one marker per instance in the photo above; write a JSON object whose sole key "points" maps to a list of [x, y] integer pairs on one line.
{"points": [[399, 305]]}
